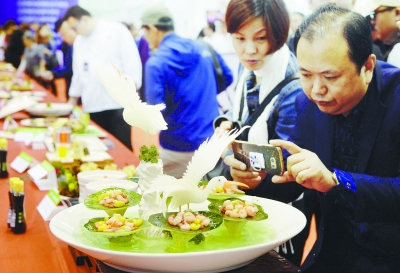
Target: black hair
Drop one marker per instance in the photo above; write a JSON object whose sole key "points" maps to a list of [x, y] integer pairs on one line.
{"points": [[8, 24], [58, 24], [353, 26], [76, 12]]}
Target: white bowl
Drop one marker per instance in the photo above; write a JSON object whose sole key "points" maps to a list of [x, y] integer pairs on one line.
{"points": [[86, 177], [284, 222], [54, 110], [96, 186]]}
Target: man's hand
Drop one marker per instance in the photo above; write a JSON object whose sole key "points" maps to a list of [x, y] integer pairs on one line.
{"points": [[239, 173], [304, 167]]}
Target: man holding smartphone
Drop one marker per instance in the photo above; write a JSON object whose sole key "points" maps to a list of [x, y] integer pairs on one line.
{"points": [[346, 146]]}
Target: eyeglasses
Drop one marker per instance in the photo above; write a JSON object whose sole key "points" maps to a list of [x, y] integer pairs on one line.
{"points": [[371, 17]]}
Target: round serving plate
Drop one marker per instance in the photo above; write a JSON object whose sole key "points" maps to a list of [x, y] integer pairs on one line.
{"points": [[283, 223]]}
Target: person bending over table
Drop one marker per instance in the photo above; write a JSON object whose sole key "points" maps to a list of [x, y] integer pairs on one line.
{"points": [[346, 146], [106, 42]]}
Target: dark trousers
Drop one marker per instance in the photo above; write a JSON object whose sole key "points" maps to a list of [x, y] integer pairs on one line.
{"points": [[114, 123]]}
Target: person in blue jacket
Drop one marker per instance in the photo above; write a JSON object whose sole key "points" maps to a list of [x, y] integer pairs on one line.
{"points": [[180, 73], [346, 146]]}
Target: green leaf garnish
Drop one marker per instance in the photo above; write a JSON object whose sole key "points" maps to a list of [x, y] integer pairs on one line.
{"points": [[202, 183], [198, 239]]}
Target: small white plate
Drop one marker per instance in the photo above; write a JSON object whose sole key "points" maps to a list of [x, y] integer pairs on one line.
{"points": [[54, 110]]}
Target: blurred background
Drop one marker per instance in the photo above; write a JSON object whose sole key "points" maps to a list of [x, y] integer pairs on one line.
{"points": [[190, 15]]}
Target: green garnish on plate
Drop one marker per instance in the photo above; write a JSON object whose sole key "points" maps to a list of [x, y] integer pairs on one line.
{"points": [[149, 154]]}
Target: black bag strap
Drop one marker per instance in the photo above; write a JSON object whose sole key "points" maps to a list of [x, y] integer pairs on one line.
{"points": [[256, 114], [214, 57]]}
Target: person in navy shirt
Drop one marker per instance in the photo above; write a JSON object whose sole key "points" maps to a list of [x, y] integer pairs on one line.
{"points": [[345, 146]]}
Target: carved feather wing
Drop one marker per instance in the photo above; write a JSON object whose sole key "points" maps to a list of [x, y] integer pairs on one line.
{"points": [[207, 155], [122, 90]]}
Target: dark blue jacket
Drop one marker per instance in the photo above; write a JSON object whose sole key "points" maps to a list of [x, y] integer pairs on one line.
{"points": [[180, 74], [65, 71], [358, 232]]}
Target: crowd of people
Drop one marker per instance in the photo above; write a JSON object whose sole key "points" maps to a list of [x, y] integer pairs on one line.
{"points": [[324, 86]]}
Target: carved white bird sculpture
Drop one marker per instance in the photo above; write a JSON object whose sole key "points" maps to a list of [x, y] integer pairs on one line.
{"points": [[185, 190], [122, 90]]}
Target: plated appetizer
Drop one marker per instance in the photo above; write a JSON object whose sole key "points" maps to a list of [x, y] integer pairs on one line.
{"points": [[115, 224], [189, 221], [186, 226], [237, 209], [237, 213], [112, 200], [117, 228]]}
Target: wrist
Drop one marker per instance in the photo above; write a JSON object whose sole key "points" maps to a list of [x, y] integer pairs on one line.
{"points": [[345, 179]]}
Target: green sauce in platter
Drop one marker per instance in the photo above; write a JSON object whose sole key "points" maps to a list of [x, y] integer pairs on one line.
{"points": [[254, 233]]}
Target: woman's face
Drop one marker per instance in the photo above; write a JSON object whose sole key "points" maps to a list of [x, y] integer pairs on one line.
{"points": [[251, 44]]}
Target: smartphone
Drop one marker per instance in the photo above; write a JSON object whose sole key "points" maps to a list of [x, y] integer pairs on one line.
{"points": [[259, 157]]}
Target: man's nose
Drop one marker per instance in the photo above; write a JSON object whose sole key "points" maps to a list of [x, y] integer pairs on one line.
{"points": [[318, 88]]}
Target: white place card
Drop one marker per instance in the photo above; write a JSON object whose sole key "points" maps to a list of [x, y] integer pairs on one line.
{"points": [[21, 162], [44, 176], [50, 205]]}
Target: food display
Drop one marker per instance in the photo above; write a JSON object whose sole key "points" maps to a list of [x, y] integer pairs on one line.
{"points": [[114, 224], [118, 229], [187, 220], [237, 213], [238, 209], [113, 199], [174, 232], [116, 200]]}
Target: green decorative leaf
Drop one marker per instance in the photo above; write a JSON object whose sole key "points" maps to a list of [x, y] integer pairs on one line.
{"points": [[215, 206], [92, 201], [198, 239], [160, 221], [202, 183]]}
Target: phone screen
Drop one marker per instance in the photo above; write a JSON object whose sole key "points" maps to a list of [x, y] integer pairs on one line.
{"points": [[259, 157]]}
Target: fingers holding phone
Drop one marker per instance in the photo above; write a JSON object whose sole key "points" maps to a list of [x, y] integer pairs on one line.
{"points": [[304, 167], [259, 157], [239, 173]]}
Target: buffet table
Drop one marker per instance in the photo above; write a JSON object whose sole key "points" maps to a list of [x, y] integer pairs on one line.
{"points": [[38, 250]]}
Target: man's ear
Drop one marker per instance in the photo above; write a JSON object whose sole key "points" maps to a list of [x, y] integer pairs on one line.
{"points": [[368, 68]]}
